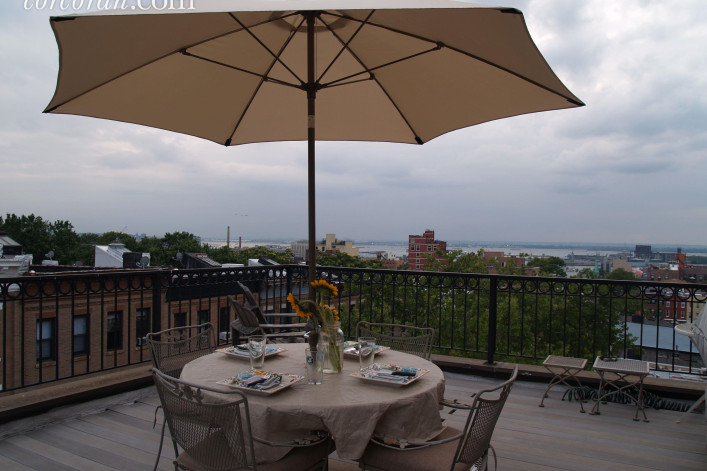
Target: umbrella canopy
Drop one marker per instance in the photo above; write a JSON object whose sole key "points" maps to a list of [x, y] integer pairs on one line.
{"points": [[237, 72]]}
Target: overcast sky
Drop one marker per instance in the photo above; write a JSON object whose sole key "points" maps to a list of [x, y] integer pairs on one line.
{"points": [[630, 167]]}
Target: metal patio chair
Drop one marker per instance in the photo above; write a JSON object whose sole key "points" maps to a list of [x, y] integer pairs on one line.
{"points": [[453, 449], [697, 332], [215, 435], [404, 338], [173, 348]]}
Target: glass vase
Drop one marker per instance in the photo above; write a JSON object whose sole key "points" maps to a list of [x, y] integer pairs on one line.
{"points": [[331, 344]]}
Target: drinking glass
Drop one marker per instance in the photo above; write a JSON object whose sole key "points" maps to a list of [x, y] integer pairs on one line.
{"points": [[256, 348], [314, 360], [366, 351]]}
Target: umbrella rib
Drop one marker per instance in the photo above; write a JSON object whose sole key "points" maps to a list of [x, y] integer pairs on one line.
{"points": [[156, 59], [370, 70], [263, 78], [182, 50], [468, 54], [373, 77], [276, 57], [344, 46]]}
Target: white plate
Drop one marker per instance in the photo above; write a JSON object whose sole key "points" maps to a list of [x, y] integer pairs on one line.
{"points": [[350, 352], [286, 382], [243, 354], [370, 375]]}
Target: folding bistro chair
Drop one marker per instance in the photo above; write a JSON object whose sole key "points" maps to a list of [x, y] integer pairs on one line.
{"points": [[215, 435], [404, 338], [173, 348], [454, 450]]}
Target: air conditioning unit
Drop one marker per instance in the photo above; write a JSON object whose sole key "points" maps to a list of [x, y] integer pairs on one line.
{"points": [[141, 341]]}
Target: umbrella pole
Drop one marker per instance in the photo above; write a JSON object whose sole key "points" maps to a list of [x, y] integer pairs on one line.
{"points": [[311, 95]]}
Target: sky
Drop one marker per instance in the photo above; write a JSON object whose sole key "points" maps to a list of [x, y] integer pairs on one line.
{"points": [[629, 167]]}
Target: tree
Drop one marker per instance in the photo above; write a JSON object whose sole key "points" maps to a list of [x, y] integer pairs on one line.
{"points": [[549, 266], [457, 261], [65, 243], [341, 259], [621, 274], [587, 273], [163, 251], [32, 232]]}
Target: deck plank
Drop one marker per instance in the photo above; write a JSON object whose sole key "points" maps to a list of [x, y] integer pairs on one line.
{"points": [[526, 438]]}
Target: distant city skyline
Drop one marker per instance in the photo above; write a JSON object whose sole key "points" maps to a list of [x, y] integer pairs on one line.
{"points": [[627, 168]]}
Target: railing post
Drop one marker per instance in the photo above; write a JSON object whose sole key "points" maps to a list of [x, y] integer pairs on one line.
{"points": [[493, 318], [288, 281], [156, 301]]}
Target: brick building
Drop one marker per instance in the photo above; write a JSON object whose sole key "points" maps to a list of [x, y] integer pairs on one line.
{"points": [[420, 246]]}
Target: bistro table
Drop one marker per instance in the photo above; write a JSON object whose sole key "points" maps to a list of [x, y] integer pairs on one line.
{"points": [[563, 369], [349, 408], [621, 374]]}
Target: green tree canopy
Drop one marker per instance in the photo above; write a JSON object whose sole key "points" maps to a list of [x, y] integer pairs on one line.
{"points": [[549, 266], [341, 259], [621, 274]]}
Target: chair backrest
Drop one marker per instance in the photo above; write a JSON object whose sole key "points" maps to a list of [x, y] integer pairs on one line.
{"points": [[173, 348], [251, 303], [404, 338], [246, 322], [699, 337], [483, 415], [217, 435], [247, 294]]}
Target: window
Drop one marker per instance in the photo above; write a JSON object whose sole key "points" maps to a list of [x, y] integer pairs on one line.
{"points": [[180, 319], [202, 317], [224, 317], [114, 330], [46, 340], [80, 335], [667, 303], [142, 325], [682, 304]]}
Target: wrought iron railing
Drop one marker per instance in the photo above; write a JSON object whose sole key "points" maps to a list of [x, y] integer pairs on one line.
{"points": [[67, 325]]}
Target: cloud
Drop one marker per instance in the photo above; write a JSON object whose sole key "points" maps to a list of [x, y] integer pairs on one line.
{"points": [[628, 167]]}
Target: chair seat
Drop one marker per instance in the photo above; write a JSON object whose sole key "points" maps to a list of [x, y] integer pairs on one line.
{"points": [[429, 458]]}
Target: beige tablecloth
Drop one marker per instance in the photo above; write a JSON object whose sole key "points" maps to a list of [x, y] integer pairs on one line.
{"points": [[349, 408]]}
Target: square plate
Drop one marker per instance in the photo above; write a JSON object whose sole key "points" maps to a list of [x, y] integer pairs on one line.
{"points": [[376, 373], [287, 381], [234, 352], [351, 352]]}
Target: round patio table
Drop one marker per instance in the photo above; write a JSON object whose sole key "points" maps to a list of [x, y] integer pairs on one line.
{"points": [[349, 408]]}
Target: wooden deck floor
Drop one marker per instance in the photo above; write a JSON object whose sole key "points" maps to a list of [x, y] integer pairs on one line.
{"points": [[117, 434]]}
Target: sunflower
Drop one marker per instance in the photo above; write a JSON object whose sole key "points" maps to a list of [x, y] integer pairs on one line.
{"points": [[320, 312]]}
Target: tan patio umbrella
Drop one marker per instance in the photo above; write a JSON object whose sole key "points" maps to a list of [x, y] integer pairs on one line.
{"points": [[244, 71]]}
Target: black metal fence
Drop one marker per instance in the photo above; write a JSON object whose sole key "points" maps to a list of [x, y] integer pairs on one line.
{"points": [[67, 325]]}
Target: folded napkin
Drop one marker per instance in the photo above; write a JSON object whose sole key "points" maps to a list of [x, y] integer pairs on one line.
{"points": [[389, 377], [272, 382], [243, 349]]}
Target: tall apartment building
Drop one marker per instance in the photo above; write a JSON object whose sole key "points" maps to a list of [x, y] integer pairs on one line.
{"points": [[419, 246]]}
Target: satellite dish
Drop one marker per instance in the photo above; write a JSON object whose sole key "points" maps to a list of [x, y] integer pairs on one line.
{"points": [[143, 262], [179, 257], [49, 254]]}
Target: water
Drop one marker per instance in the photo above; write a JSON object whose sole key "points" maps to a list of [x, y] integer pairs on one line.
{"points": [[369, 249]]}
